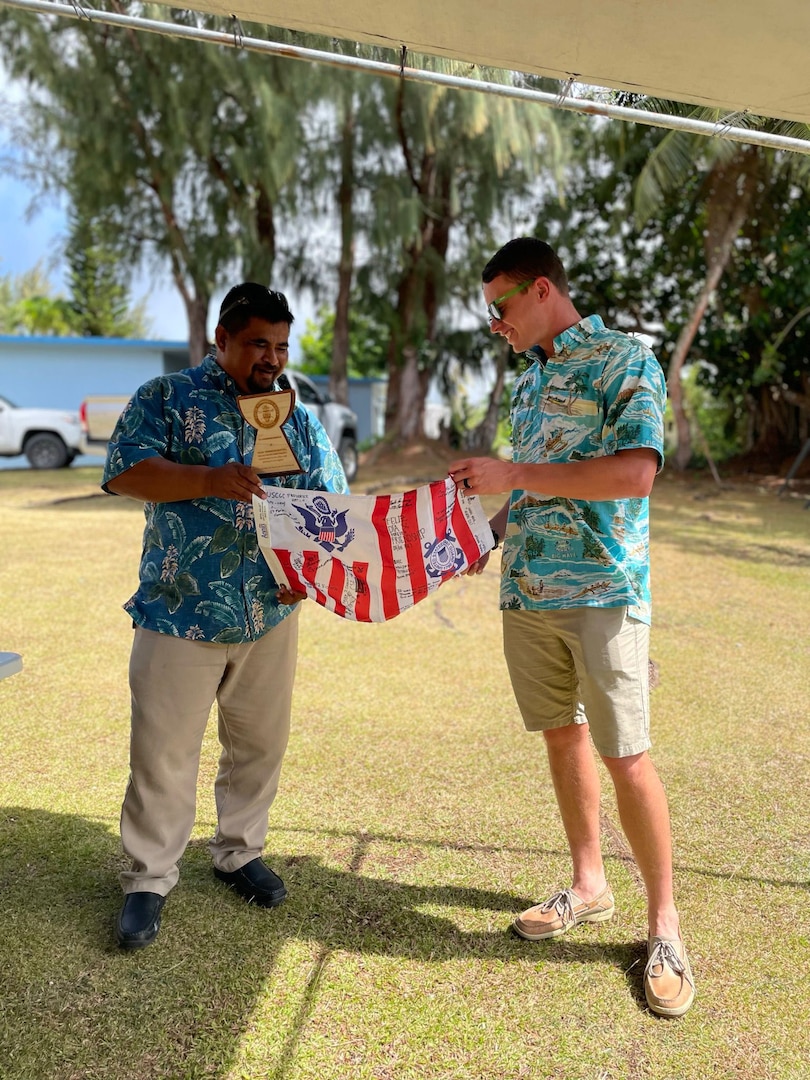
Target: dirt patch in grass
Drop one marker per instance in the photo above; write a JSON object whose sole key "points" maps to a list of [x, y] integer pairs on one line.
{"points": [[386, 467]]}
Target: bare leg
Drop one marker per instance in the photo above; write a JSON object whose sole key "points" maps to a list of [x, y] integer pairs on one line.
{"points": [[644, 816], [576, 785]]}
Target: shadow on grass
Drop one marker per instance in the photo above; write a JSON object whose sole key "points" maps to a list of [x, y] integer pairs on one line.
{"points": [[723, 526], [97, 501], [76, 1006], [729, 546]]}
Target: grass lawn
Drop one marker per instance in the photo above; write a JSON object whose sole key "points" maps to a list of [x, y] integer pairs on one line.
{"points": [[415, 817]]}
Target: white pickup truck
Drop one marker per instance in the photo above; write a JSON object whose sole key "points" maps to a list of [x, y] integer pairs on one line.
{"points": [[99, 414], [49, 438]]}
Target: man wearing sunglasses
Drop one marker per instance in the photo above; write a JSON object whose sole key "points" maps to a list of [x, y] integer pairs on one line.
{"points": [[210, 623], [587, 433]]}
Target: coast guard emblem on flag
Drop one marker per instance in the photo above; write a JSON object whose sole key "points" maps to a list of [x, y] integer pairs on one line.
{"points": [[442, 556], [397, 550]]}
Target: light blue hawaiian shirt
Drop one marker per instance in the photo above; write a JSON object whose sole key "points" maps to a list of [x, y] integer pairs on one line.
{"points": [[600, 392], [201, 575]]}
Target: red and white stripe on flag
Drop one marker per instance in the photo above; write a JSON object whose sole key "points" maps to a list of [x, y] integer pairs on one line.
{"points": [[369, 557]]}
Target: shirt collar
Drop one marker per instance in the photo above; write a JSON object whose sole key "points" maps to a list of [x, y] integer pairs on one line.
{"points": [[578, 334], [537, 353], [219, 375]]}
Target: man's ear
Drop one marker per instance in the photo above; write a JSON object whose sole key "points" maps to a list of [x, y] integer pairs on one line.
{"points": [[542, 287], [221, 337]]}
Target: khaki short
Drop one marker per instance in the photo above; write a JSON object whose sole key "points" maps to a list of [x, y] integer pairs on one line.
{"points": [[583, 665]]}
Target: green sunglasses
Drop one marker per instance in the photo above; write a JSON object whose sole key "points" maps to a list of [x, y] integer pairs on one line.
{"points": [[493, 307]]}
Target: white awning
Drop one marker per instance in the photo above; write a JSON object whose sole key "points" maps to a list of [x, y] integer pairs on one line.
{"points": [[734, 55]]}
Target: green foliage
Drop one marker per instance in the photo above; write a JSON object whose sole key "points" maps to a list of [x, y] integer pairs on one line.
{"points": [[756, 335], [367, 344], [535, 546], [201, 158], [98, 275], [43, 315], [616, 268], [468, 159], [181, 149], [763, 287], [645, 277], [718, 427], [22, 304], [98, 305]]}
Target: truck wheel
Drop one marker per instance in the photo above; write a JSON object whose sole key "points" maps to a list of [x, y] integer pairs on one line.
{"points": [[347, 452], [46, 451]]}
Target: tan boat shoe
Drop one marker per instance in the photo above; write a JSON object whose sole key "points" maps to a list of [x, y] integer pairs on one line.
{"points": [[668, 982], [560, 912]]}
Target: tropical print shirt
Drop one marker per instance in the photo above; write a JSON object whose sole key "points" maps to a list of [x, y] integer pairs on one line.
{"points": [[601, 391], [201, 575]]}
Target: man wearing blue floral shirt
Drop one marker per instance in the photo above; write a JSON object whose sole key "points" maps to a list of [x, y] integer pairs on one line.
{"points": [[210, 622], [587, 426]]}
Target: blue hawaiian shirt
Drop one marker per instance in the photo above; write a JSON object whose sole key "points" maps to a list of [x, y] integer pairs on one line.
{"points": [[601, 391], [201, 575]]}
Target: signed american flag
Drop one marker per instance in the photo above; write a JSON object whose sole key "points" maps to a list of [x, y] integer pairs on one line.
{"points": [[370, 557]]}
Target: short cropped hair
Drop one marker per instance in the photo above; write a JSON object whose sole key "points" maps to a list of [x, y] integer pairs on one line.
{"points": [[525, 259], [251, 300]]}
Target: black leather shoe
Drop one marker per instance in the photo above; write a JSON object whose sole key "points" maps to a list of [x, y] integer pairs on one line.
{"points": [[139, 921], [255, 882]]}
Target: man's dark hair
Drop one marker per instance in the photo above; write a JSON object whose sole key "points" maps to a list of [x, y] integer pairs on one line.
{"points": [[251, 300], [525, 259]]}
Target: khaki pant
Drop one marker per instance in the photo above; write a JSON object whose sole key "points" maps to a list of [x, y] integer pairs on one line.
{"points": [[174, 682], [582, 665]]}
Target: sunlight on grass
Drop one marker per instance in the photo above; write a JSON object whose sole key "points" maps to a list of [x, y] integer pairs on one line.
{"points": [[415, 817]]}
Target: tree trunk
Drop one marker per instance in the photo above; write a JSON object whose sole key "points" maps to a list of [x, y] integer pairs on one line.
{"points": [[260, 257], [683, 434], [412, 394], [420, 289], [419, 299], [776, 428], [731, 192], [395, 358], [482, 438], [338, 374], [407, 385], [196, 303], [197, 312]]}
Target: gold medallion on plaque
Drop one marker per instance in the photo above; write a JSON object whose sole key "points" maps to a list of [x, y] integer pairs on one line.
{"points": [[266, 414]]}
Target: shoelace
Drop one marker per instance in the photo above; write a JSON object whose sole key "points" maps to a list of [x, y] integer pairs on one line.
{"points": [[664, 953], [563, 902]]}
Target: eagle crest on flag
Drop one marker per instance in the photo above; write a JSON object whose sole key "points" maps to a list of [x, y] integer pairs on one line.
{"points": [[324, 524]]}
